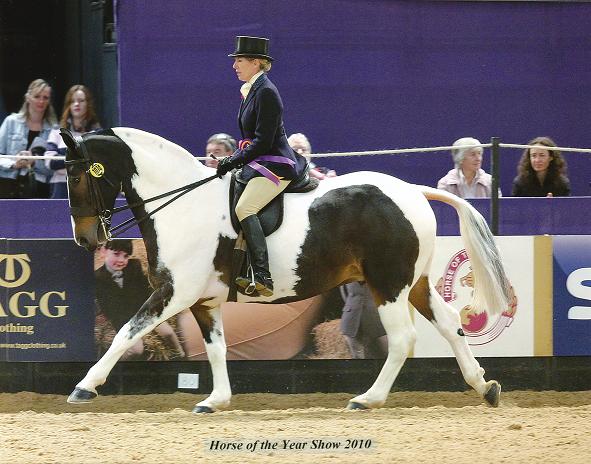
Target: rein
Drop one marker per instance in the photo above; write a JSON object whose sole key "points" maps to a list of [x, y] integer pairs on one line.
{"points": [[94, 173], [131, 222]]}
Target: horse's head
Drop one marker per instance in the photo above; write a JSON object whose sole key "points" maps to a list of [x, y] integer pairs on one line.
{"points": [[94, 181]]}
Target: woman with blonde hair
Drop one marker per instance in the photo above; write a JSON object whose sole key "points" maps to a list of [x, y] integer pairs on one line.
{"points": [[79, 115], [21, 134], [269, 163]]}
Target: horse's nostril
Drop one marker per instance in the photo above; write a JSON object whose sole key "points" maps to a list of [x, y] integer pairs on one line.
{"points": [[83, 242]]}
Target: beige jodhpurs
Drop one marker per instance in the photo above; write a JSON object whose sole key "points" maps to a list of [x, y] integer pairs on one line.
{"points": [[258, 193]]}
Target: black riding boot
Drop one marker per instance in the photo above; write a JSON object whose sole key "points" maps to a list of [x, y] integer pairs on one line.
{"points": [[257, 249]]}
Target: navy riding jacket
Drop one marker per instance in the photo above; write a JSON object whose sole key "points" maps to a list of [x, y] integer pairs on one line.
{"points": [[260, 120]]}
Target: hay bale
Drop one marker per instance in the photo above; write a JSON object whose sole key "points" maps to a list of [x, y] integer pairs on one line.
{"points": [[329, 343]]}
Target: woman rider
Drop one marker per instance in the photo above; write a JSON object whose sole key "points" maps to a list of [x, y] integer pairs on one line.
{"points": [[270, 164]]}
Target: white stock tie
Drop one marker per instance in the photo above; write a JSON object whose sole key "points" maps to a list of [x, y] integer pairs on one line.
{"points": [[245, 89]]}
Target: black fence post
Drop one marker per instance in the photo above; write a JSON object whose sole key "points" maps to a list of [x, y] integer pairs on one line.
{"points": [[494, 199]]}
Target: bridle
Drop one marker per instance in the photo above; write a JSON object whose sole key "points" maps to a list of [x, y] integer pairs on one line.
{"points": [[95, 172]]}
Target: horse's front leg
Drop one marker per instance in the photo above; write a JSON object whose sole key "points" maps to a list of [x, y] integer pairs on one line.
{"points": [[210, 322], [154, 311]]}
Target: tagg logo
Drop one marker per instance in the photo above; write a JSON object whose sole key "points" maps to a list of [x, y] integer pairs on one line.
{"points": [[27, 303], [10, 280], [456, 287]]}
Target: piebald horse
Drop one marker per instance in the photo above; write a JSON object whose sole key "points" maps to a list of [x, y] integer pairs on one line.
{"points": [[361, 226]]}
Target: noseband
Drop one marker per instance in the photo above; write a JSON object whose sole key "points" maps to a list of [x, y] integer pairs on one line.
{"points": [[94, 172]]}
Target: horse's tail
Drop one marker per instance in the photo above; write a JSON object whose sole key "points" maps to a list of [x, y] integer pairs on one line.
{"points": [[491, 286]]}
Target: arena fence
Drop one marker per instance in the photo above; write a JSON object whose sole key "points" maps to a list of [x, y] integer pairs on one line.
{"points": [[495, 145]]}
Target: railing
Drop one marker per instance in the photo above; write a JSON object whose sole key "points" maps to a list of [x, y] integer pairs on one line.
{"points": [[493, 211]]}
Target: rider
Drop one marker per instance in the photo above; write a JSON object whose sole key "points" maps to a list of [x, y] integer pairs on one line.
{"points": [[270, 164]]}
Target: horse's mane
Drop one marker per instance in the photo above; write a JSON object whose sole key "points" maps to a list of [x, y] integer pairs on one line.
{"points": [[137, 137]]}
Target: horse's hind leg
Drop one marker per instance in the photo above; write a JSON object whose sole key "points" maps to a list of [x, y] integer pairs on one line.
{"points": [[210, 322], [401, 334], [154, 311], [447, 321]]}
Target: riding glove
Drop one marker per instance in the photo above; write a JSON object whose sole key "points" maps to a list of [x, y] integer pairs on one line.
{"points": [[226, 165]]}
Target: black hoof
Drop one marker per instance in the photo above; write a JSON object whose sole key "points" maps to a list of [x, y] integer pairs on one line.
{"points": [[493, 394], [353, 405], [202, 409], [81, 396]]}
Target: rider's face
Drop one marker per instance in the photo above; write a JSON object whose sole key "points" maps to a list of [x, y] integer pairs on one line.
{"points": [[246, 67]]}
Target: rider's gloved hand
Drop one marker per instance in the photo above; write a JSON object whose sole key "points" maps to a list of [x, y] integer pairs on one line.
{"points": [[226, 165]]}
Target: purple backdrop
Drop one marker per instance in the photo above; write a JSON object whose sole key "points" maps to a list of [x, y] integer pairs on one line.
{"points": [[369, 75]]}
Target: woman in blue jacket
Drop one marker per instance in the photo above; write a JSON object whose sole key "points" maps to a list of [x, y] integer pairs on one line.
{"points": [[20, 134], [270, 164]]}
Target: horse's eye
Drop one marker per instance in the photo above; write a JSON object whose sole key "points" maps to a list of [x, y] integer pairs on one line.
{"points": [[75, 180]]}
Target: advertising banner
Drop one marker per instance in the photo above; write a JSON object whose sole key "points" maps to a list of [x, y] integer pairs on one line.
{"points": [[508, 334], [572, 295], [46, 301]]}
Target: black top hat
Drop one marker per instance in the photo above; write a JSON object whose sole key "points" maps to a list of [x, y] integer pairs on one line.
{"points": [[256, 47]]}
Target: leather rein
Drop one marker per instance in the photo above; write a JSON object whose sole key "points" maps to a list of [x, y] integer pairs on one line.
{"points": [[94, 172]]}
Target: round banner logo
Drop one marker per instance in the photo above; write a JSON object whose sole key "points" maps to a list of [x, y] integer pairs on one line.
{"points": [[456, 287]]}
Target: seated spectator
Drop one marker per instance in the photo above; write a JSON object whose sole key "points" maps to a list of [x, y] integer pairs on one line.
{"points": [[79, 116], [301, 144], [21, 178], [467, 179], [541, 172], [219, 145]]}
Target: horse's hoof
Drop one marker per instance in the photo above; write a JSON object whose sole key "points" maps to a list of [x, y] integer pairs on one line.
{"points": [[354, 405], [80, 395], [493, 394], [202, 409]]}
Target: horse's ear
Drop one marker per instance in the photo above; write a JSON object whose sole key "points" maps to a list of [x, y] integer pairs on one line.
{"points": [[69, 140]]}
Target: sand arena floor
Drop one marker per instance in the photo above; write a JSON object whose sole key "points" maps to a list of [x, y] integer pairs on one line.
{"points": [[417, 427]]}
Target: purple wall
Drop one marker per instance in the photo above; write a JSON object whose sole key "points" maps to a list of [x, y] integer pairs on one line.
{"points": [[517, 216], [369, 75]]}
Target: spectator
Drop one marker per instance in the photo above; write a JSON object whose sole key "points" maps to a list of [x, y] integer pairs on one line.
{"points": [[467, 179], [360, 323], [79, 116], [21, 178], [121, 290], [219, 145], [541, 172], [300, 143]]}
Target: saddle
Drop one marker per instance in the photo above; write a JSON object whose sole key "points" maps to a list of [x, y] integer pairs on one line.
{"points": [[271, 217]]}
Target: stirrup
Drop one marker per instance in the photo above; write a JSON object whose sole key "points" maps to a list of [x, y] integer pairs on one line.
{"points": [[247, 283], [250, 284]]}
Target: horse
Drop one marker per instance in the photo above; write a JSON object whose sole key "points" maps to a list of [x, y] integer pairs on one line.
{"points": [[363, 226]]}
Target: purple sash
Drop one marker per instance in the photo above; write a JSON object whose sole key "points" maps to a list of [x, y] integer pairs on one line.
{"points": [[266, 172]]}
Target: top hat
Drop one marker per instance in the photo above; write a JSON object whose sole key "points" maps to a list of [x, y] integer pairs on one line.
{"points": [[256, 47]]}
